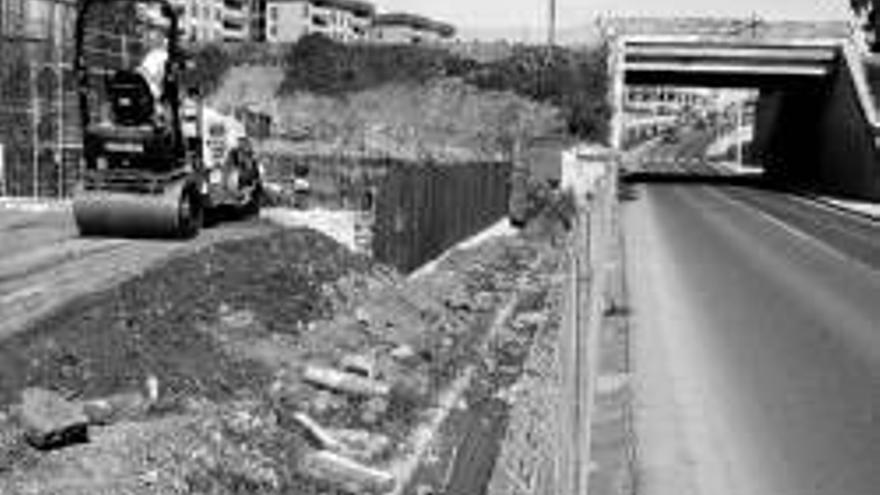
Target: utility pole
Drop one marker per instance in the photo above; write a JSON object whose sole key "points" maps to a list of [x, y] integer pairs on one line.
{"points": [[738, 123], [551, 33]]}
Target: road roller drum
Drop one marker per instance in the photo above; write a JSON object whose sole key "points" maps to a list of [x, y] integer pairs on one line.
{"points": [[176, 212]]}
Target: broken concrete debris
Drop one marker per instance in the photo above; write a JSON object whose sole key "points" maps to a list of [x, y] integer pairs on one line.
{"points": [[373, 409], [347, 473], [403, 352], [362, 445], [50, 420], [316, 435], [345, 382], [359, 364], [115, 408]]}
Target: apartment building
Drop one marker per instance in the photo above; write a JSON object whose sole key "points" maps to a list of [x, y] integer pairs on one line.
{"points": [[342, 20], [214, 20], [258, 20], [235, 24], [410, 28]]}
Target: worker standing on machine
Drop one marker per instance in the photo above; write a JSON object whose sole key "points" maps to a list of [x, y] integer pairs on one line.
{"points": [[153, 65]]}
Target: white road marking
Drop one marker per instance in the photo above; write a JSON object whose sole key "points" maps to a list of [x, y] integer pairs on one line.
{"points": [[790, 230]]}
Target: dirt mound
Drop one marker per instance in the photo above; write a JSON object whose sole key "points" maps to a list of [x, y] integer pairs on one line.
{"points": [[111, 341]]}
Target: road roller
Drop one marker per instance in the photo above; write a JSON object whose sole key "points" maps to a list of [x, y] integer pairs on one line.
{"points": [[156, 160]]}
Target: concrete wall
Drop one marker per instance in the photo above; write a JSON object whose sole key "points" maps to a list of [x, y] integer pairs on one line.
{"points": [[849, 162], [819, 137], [786, 134]]}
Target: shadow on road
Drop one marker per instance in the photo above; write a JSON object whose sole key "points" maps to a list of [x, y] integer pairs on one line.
{"points": [[696, 178], [630, 181]]}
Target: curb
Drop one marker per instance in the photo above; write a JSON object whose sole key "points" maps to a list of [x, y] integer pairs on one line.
{"points": [[809, 196]]}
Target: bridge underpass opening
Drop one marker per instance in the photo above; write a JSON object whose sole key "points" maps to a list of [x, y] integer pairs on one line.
{"points": [[815, 120], [689, 134]]}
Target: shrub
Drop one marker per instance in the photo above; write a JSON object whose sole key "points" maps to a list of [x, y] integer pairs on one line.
{"points": [[209, 64], [575, 81], [320, 65]]}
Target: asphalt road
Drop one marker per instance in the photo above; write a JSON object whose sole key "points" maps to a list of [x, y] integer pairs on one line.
{"points": [[756, 343]]}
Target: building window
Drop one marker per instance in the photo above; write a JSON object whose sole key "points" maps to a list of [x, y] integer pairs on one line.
{"points": [[273, 31], [273, 13]]}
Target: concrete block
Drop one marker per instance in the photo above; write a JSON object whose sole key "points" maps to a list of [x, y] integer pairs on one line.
{"points": [[345, 382], [50, 420], [346, 473]]}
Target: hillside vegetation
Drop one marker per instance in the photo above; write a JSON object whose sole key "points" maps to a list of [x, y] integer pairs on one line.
{"points": [[412, 101]]}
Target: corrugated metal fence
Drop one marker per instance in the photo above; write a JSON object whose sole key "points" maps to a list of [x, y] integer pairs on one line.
{"points": [[423, 210], [418, 210]]}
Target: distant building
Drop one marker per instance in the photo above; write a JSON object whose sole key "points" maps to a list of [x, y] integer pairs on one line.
{"points": [[667, 100], [258, 20], [235, 23], [214, 20], [410, 28], [341, 20]]}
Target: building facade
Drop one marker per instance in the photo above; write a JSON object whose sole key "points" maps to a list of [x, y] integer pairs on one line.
{"points": [[204, 21], [667, 100], [258, 20], [287, 21], [402, 28]]}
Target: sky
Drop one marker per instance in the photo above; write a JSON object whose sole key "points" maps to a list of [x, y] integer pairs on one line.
{"points": [[529, 17]]}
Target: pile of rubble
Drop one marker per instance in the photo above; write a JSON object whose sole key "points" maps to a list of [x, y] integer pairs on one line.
{"points": [[284, 365]]}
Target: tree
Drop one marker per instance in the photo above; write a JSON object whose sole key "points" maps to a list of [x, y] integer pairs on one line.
{"points": [[870, 9], [209, 63]]}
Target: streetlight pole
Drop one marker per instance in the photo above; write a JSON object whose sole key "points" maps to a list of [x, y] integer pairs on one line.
{"points": [[551, 33]]}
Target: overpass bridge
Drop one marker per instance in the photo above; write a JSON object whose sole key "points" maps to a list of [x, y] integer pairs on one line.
{"points": [[817, 123]]}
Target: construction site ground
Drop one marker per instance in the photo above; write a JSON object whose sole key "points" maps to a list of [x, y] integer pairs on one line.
{"points": [[212, 363]]}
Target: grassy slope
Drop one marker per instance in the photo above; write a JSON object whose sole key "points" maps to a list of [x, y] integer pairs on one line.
{"points": [[445, 119]]}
